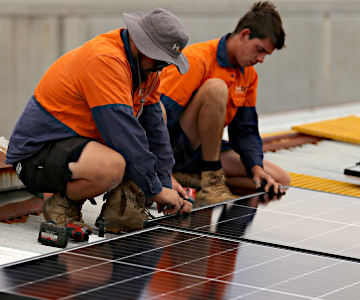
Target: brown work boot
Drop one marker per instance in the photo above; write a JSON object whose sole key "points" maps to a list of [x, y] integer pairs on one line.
{"points": [[188, 179], [213, 188], [63, 211], [124, 209]]}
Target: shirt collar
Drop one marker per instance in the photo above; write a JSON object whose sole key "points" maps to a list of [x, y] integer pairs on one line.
{"points": [[222, 55], [125, 39]]}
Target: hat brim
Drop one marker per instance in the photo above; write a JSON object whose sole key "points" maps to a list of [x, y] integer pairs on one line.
{"points": [[148, 47]]}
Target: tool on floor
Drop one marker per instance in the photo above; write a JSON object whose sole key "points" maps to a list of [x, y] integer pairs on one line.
{"points": [[78, 232], [101, 221], [53, 235]]}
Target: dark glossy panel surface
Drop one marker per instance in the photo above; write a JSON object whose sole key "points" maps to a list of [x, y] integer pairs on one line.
{"points": [[206, 255], [168, 285], [84, 280], [169, 264], [45, 268], [302, 218], [148, 242]]}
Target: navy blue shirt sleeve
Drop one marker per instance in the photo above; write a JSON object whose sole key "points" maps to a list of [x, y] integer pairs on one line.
{"points": [[159, 141], [244, 138]]}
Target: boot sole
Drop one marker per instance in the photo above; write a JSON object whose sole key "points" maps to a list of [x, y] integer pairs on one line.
{"points": [[117, 228]]}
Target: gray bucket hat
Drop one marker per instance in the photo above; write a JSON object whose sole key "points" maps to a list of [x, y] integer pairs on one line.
{"points": [[159, 35]]}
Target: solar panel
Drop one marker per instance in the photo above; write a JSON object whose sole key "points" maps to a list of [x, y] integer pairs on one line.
{"points": [[249, 248], [302, 219]]}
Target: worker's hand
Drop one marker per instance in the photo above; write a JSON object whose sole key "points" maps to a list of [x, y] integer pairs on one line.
{"points": [[177, 187], [172, 202], [259, 176]]}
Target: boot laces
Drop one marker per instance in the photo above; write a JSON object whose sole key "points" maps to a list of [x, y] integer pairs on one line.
{"points": [[135, 194], [218, 183], [147, 212], [74, 208]]}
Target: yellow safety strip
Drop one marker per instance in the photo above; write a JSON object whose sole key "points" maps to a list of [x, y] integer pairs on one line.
{"points": [[345, 129], [275, 134], [324, 185]]}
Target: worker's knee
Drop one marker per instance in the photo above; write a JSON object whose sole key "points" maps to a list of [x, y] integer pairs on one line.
{"points": [[216, 84], [113, 171], [215, 89], [213, 93], [278, 173], [284, 178], [101, 165]]}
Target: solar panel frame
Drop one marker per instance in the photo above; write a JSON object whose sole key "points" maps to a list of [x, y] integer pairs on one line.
{"points": [[172, 261]]}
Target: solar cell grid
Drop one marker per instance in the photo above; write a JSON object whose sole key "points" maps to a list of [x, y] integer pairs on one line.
{"points": [[304, 219], [206, 256], [175, 269]]}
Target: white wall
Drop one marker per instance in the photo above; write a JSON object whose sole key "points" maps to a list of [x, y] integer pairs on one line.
{"points": [[319, 66]]}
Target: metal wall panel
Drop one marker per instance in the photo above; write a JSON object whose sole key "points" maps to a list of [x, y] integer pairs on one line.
{"points": [[345, 63], [319, 66], [292, 77], [29, 46]]}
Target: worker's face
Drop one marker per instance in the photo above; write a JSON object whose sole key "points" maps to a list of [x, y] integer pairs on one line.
{"points": [[149, 65], [251, 51]]}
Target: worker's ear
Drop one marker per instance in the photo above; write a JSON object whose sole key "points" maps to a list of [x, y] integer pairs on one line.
{"points": [[244, 34]]}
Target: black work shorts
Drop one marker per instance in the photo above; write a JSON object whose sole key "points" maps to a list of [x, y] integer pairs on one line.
{"points": [[47, 171], [187, 160]]}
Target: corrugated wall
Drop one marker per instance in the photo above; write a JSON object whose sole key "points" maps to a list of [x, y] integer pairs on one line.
{"points": [[319, 66]]}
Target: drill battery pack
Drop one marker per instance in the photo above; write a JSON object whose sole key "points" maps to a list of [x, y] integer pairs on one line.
{"points": [[53, 235]]}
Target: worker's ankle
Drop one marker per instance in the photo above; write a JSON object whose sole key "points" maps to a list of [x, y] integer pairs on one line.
{"points": [[211, 165]]}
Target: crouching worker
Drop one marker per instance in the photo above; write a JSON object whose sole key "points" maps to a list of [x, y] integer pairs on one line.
{"points": [[94, 125]]}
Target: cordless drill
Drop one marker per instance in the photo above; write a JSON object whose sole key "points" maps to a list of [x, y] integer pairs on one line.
{"points": [[55, 235], [78, 232]]}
